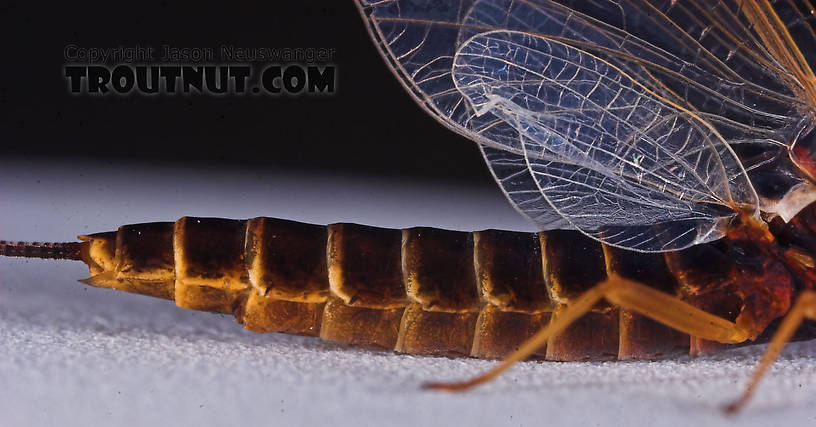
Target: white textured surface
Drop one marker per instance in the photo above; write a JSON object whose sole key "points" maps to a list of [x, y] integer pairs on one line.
{"points": [[72, 355]]}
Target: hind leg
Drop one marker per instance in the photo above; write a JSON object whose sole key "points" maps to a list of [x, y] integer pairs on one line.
{"points": [[662, 307]]}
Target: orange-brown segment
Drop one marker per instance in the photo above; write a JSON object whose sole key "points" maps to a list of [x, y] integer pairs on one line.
{"points": [[266, 314], [500, 333], [360, 325], [287, 259], [100, 252], [509, 271], [364, 266], [641, 337], [209, 262], [573, 264], [435, 332], [437, 267], [704, 274], [144, 259]]}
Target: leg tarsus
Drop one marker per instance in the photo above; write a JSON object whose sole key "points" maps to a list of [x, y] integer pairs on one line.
{"points": [[805, 307], [578, 308]]}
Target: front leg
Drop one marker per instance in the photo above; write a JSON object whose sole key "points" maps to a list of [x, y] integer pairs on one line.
{"points": [[803, 308]]}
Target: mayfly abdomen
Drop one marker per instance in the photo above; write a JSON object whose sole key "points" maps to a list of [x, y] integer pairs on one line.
{"points": [[417, 290]]}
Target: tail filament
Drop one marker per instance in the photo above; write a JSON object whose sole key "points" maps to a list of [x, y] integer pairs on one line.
{"points": [[44, 250]]}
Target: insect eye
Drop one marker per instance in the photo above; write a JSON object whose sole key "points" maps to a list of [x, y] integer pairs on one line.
{"points": [[803, 154]]}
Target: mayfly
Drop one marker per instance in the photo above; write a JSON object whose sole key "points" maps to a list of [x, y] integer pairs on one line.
{"points": [[665, 149]]}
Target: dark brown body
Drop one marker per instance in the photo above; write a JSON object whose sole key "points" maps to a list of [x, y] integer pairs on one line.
{"points": [[432, 291]]}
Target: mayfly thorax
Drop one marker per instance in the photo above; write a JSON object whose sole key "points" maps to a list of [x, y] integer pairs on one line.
{"points": [[665, 149]]}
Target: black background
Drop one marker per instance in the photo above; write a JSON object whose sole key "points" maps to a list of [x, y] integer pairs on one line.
{"points": [[369, 126]]}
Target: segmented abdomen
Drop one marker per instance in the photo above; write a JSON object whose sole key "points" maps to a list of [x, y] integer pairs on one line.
{"points": [[416, 290]]}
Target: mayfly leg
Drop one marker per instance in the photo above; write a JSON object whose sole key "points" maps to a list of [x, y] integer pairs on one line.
{"points": [[665, 309], [804, 308], [662, 307]]}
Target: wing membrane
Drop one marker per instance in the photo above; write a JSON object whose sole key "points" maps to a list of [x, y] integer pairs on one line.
{"points": [[717, 97], [604, 151], [514, 177]]}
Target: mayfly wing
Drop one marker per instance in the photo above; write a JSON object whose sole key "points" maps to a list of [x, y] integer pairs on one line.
{"points": [[681, 54], [762, 108], [613, 159], [702, 55], [799, 17], [786, 29], [419, 40]]}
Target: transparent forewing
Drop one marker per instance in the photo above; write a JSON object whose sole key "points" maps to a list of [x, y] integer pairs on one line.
{"points": [[419, 40], [699, 58], [514, 176], [701, 55], [743, 87], [604, 151]]}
